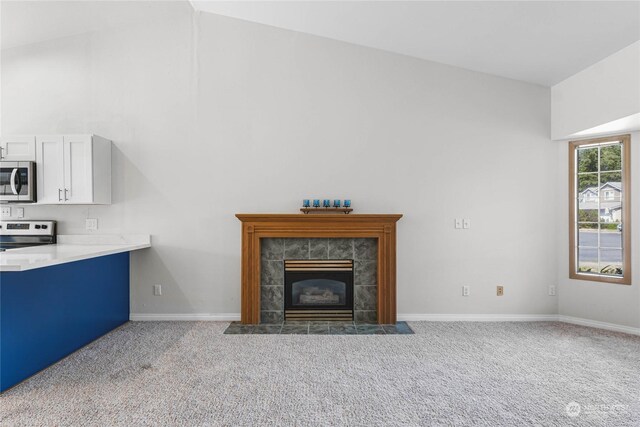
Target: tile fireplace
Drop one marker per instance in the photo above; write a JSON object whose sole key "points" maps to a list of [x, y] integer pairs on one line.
{"points": [[256, 228], [361, 253]]}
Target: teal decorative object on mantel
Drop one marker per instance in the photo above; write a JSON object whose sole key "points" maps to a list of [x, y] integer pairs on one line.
{"points": [[339, 206]]}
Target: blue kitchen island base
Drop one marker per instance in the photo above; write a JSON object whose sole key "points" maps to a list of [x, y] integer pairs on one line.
{"points": [[48, 313]]}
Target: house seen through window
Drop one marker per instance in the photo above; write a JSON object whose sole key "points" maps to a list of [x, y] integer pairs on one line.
{"points": [[599, 203]]}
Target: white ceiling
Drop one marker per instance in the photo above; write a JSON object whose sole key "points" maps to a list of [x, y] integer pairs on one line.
{"points": [[26, 22], [625, 124], [536, 41]]}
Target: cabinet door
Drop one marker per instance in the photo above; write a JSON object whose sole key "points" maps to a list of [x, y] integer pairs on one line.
{"points": [[18, 148], [78, 158], [49, 169]]}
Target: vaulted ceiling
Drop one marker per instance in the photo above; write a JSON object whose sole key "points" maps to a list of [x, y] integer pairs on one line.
{"points": [[536, 41], [541, 42]]}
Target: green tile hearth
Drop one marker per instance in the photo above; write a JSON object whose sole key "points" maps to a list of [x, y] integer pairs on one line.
{"points": [[319, 328]]}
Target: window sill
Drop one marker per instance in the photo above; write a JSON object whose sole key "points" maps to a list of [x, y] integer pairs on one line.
{"points": [[602, 279]]}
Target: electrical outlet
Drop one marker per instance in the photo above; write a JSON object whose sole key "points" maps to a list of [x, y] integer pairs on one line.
{"points": [[465, 291], [552, 290], [157, 290], [500, 291], [458, 223], [466, 223], [5, 211], [91, 224]]}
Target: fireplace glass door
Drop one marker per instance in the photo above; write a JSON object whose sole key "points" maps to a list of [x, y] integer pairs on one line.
{"points": [[318, 292], [318, 289]]}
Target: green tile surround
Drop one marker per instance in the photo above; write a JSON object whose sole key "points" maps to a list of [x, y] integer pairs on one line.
{"points": [[274, 251], [319, 328]]}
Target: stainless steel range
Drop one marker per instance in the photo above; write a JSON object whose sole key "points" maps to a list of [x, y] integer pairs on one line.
{"points": [[21, 234]]}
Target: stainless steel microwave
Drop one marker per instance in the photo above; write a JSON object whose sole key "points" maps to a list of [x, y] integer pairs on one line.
{"points": [[17, 182]]}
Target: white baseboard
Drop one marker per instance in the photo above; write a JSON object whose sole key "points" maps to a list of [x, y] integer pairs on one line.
{"points": [[156, 317], [479, 317], [599, 325], [230, 317]]}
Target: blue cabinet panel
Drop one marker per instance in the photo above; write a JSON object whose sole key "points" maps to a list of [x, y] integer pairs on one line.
{"points": [[48, 313]]}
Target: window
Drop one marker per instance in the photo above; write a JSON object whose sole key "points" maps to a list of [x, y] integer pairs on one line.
{"points": [[599, 206]]}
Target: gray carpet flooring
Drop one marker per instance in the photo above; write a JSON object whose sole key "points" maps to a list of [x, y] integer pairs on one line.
{"points": [[449, 374]]}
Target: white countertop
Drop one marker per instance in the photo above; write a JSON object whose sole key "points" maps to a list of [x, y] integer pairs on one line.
{"points": [[70, 248]]}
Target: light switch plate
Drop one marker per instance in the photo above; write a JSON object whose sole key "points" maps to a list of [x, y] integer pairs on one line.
{"points": [[19, 213], [466, 223], [91, 224], [458, 223], [5, 211]]}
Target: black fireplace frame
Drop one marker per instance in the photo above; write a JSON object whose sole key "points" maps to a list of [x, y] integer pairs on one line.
{"points": [[290, 277], [338, 274]]}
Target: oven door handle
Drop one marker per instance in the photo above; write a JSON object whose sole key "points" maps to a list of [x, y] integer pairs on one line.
{"points": [[15, 185]]}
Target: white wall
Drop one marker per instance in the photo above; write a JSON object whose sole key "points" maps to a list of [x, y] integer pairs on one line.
{"points": [[593, 102], [216, 116], [602, 302], [607, 91]]}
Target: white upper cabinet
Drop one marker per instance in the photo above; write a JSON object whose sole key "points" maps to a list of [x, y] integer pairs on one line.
{"points": [[49, 169], [18, 148], [78, 169], [73, 169]]}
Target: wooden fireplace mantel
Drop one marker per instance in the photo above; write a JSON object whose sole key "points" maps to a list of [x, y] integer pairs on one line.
{"points": [[260, 226]]}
